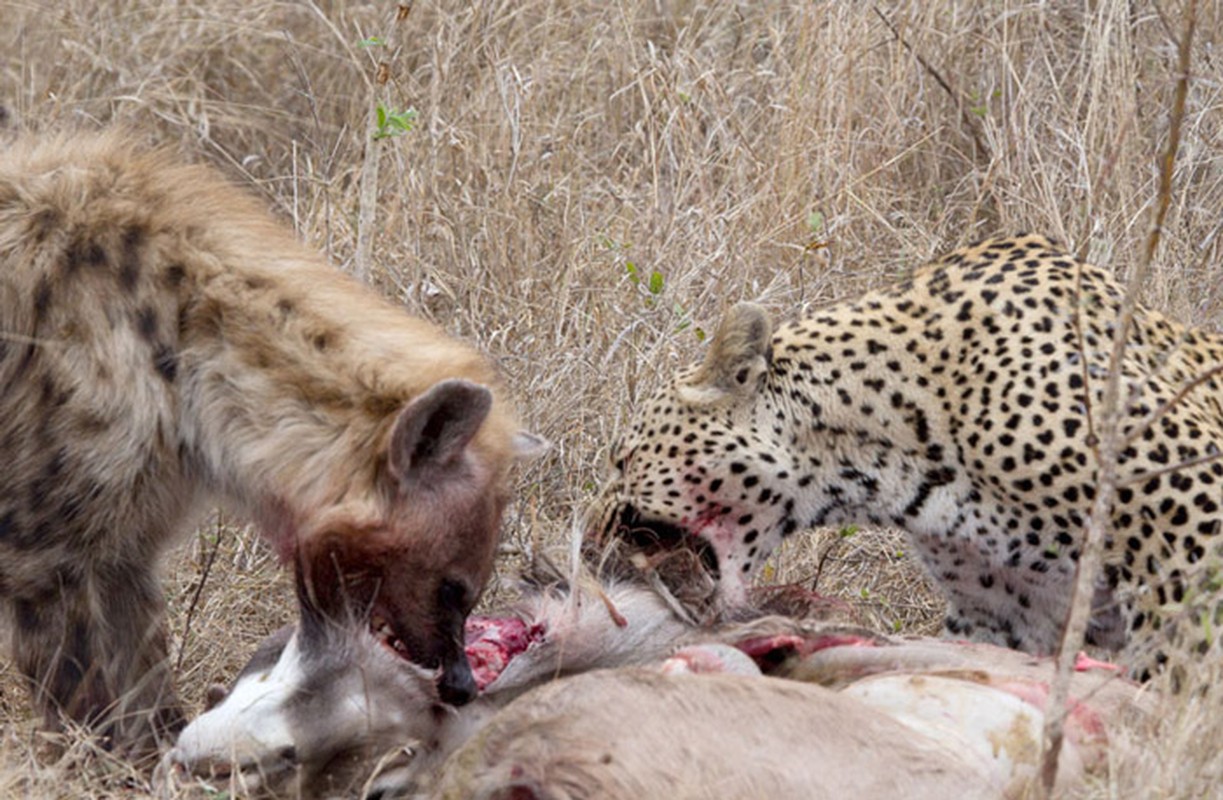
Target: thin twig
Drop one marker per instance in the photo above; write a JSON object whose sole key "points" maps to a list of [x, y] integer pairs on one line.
{"points": [[819, 567], [1084, 361], [1146, 475], [966, 117], [1101, 180], [1163, 408], [1167, 168], [195, 596], [23, 339]]}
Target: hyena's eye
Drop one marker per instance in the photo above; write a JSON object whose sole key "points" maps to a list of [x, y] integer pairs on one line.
{"points": [[452, 594]]}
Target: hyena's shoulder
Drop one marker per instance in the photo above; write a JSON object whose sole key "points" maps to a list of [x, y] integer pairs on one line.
{"points": [[100, 242]]}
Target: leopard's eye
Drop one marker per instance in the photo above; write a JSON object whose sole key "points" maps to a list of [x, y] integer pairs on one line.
{"points": [[615, 457]]}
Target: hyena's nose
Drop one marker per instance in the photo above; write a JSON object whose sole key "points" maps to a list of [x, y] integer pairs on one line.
{"points": [[457, 686]]}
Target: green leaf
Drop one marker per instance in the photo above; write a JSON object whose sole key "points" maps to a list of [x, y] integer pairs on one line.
{"points": [[656, 282], [848, 531], [393, 123], [404, 119], [815, 221], [700, 334], [373, 41], [631, 269]]}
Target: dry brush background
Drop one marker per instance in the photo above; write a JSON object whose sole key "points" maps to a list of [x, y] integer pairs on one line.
{"points": [[587, 185]]}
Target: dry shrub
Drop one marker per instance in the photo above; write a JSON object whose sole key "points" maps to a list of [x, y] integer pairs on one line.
{"points": [[787, 152]]}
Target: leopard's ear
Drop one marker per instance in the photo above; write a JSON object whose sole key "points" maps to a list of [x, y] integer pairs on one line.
{"points": [[738, 357]]}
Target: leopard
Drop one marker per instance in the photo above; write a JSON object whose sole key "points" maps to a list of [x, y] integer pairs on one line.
{"points": [[962, 405], [168, 346]]}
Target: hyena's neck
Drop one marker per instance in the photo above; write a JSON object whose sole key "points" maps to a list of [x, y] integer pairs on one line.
{"points": [[290, 379], [266, 419]]}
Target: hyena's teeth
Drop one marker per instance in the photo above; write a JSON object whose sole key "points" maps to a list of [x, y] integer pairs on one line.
{"points": [[382, 629]]}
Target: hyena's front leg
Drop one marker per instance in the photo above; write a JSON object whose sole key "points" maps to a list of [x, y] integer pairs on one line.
{"points": [[148, 713], [96, 654]]}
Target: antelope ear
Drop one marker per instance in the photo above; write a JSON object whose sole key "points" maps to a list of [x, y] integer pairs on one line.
{"points": [[215, 695], [434, 429], [738, 357]]}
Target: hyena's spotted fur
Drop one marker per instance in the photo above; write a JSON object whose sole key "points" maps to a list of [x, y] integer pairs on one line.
{"points": [[163, 344]]}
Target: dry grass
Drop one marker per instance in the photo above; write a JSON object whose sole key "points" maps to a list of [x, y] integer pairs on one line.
{"points": [[721, 145]]}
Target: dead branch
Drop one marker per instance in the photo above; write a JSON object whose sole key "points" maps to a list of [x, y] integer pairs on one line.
{"points": [[1146, 475], [1163, 408], [199, 590], [1111, 439]]}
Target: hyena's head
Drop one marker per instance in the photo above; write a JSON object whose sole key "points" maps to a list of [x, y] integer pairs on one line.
{"points": [[415, 569]]}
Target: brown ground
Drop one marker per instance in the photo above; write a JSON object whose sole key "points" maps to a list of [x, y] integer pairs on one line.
{"points": [[783, 151]]}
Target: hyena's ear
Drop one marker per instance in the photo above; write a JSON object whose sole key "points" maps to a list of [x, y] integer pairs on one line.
{"points": [[738, 357], [434, 429]]}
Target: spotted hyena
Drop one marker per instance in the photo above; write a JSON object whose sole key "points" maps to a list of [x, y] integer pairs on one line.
{"points": [[165, 344]]}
